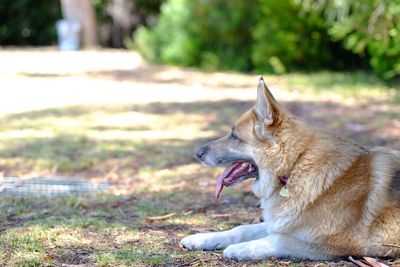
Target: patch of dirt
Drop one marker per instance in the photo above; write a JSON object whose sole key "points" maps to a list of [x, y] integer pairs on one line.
{"points": [[74, 256]]}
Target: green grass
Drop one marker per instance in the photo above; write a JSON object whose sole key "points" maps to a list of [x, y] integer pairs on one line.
{"points": [[360, 85], [103, 236], [150, 148]]}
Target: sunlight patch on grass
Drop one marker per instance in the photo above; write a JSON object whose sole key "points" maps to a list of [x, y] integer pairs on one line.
{"points": [[181, 178], [154, 135], [37, 238], [28, 259], [29, 240], [26, 133], [193, 220], [222, 226], [135, 120], [149, 250], [66, 237], [124, 236], [342, 85], [141, 255], [26, 246], [104, 125], [147, 207], [171, 174], [104, 259]]}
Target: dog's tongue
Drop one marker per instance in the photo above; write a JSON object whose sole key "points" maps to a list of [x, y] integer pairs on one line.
{"points": [[228, 173]]}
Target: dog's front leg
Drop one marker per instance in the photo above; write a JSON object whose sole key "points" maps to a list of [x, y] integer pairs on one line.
{"points": [[275, 245], [220, 240]]}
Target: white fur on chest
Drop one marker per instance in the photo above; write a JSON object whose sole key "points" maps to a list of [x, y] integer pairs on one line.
{"points": [[276, 224], [267, 189], [264, 186]]}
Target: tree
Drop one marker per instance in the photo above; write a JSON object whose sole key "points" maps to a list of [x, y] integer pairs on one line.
{"points": [[82, 11]]}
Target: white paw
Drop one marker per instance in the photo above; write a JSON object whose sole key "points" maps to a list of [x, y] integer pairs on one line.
{"points": [[206, 241], [253, 250]]}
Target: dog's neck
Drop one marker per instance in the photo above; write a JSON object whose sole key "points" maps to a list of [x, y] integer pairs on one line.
{"points": [[283, 180]]}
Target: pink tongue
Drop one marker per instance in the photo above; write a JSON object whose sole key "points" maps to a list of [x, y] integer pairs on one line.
{"points": [[226, 173]]}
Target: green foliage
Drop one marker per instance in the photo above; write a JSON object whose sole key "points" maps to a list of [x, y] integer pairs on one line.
{"points": [[157, 45], [100, 7], [24, 22], [367, 27], [200, 33], [284, 37], [278, 36], [148, 7], [238, 35]]}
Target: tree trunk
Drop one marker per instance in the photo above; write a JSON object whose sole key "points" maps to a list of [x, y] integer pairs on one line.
{"points": [[82, 11]]}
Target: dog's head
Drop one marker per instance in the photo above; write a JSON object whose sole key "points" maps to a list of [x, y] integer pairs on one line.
{"points": [[262, 144]]}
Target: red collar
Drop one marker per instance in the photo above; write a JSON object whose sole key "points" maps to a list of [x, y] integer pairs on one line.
{"points": [[283, 180]]}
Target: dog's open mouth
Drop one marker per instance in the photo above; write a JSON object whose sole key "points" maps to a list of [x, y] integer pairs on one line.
{"points": [[235, 173]]}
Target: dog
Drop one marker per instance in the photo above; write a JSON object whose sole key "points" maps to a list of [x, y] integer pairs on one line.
{"points": [[323, 197]]}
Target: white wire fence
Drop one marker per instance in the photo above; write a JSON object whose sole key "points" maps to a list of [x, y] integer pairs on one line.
{"points": [[49, 186]]}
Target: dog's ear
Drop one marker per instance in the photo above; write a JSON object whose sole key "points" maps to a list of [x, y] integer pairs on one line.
{"points": [[267, 109]]}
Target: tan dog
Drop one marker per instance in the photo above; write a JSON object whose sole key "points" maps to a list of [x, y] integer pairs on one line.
{"points": [[322, 196]]}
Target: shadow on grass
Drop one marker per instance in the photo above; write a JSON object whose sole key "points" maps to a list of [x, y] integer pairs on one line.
{"points": [[165, 75], [320, 81], [69, 153], [73, 111], [328, 80]]}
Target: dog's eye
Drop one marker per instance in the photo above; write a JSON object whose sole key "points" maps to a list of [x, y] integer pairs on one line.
{"points": [[234, 136]]}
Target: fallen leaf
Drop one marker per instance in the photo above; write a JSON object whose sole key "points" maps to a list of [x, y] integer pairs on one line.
{"points": [[375, 262], [368, 262], [357, 262]]}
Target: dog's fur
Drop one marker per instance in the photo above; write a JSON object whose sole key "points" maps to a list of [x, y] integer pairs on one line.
{"points": [[344, 199]]}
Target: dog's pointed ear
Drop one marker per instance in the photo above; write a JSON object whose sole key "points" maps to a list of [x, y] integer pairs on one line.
{"points": [[266, 108], [266, 105]]}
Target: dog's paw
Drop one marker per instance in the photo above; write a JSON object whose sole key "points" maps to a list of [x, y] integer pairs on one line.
{"points": [[253, 250], [239, 252], [205, 241]]}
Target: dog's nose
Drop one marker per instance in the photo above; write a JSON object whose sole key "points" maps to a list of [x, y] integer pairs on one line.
{"points": [[201, 151]]}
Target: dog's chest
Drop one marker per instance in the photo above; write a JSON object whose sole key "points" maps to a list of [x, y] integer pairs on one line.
{"points": [[275, 222]]}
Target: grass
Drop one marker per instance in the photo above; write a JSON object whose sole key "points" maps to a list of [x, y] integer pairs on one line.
{"points": [[92, 231], [147, 148], [344, 84]]}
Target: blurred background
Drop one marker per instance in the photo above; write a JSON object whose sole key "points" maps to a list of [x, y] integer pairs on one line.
{"points": [[104, 102], [259, 35]]}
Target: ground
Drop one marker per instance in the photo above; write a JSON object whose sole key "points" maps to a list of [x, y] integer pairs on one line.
{"points": [[108, 116]]}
